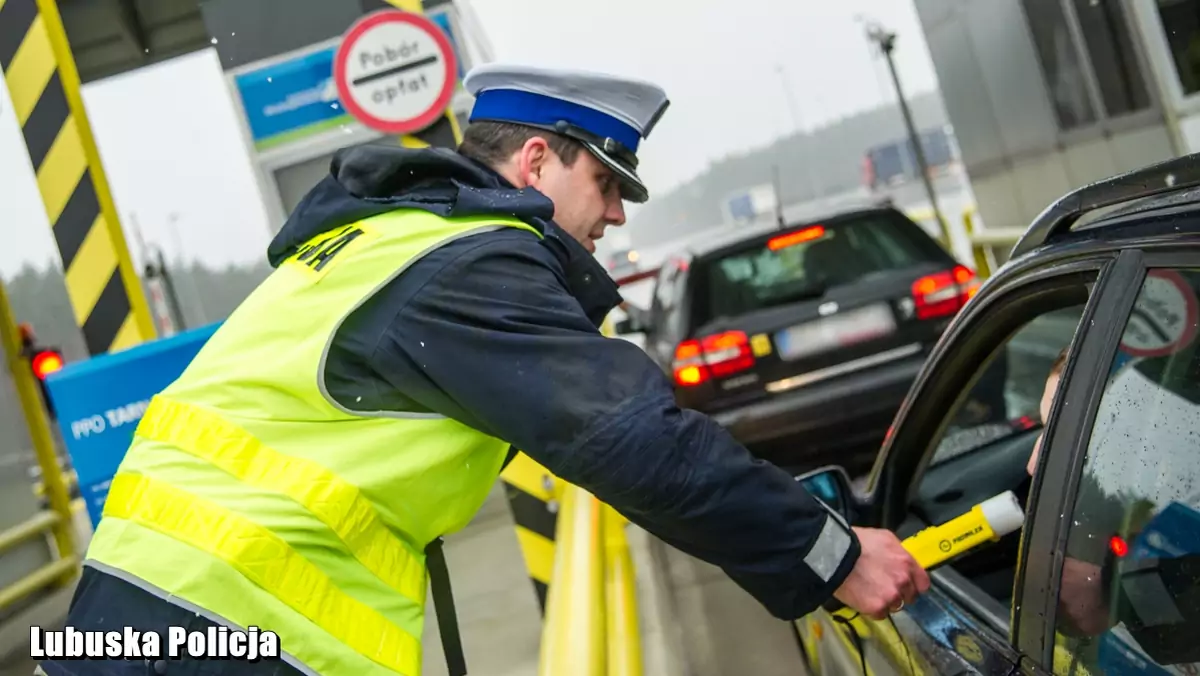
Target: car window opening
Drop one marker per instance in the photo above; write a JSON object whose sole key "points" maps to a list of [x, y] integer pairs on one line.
{"points": [[987, 444]]}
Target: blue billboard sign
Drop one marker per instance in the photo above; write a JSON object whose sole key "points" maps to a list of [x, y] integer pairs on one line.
{"points": [[741, 208], [442, 19], [99, 403], [291, 99]]}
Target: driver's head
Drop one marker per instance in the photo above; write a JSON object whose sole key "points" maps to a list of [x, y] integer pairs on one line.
{"points": [[1051, 388]]}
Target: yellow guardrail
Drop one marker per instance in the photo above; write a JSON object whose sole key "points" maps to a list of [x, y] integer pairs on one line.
{"points": [[620, 597], [70, 480], [57, 519], [986, 243], [573, 636], [591, 621]]}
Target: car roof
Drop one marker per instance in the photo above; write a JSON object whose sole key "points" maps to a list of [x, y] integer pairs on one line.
{"points": [[1188, 198], [1172, 183]]}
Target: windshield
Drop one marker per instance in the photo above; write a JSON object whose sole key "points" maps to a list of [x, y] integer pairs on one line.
{"points": [[804, 262]]}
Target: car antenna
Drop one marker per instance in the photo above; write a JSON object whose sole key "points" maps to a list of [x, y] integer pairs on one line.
{"points": [[778, 198]]}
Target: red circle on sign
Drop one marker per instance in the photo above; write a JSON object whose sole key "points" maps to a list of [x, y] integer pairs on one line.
{"points": [[436, 110], [1191, 314]]}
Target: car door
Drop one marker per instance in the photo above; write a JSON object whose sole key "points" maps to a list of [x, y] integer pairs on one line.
{"points": [[1117, 531], [668, 316], [965, 434]]}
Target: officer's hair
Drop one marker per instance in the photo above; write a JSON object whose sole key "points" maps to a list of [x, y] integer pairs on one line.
{"points": [[493, 143]]}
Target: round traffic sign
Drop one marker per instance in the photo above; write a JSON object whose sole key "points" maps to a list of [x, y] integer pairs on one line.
{"points": [[395, 71], [1164, 316]]}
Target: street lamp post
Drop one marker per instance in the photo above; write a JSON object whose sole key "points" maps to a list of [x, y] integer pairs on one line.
{"points": [[887, 43]]}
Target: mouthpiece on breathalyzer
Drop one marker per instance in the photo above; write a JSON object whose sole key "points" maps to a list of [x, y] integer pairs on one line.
{"points": [[1003, 513]]}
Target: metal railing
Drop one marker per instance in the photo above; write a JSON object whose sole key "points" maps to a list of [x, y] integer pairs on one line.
{"points": [[591, 621], [990, 246], [57, 518]]}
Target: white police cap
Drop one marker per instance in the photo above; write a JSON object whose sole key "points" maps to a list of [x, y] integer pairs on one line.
{"points": [[609, 115]]}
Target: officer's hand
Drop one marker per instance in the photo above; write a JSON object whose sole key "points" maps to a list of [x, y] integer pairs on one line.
{"points": [[884, 575]]}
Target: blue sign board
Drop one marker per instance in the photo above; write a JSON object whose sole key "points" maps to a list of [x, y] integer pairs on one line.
{"points": [[442, 19], [99, 403], [290, 97], [298, 96], [742, 208]]}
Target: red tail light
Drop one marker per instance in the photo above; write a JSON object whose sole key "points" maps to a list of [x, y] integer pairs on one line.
{"points": [[716, 356], [1118, 545], [945, 293]]}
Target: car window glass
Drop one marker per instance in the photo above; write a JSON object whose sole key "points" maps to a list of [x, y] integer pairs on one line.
{"points": [[1006, 398], [665, 289], [799, 262], [1130, 581], [662, 292], [988, 438], [675, 316]]}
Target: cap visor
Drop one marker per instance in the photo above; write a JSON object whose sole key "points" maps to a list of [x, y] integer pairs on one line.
{"points": [[632, 188]]}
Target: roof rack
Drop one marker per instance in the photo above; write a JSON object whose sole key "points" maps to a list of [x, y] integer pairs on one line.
{"points": [[1170, 175]]}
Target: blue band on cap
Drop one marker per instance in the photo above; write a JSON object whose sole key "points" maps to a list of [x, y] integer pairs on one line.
{"points": [[510, 105]]}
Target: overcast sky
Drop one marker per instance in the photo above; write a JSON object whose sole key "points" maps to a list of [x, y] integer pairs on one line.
{"points": [[180, 169]]}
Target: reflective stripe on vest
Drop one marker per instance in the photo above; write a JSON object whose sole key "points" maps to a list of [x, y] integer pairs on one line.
{"points": [[337, 503], [268, 561]]}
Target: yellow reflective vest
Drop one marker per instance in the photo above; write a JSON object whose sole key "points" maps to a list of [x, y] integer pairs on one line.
{"points": [[251, 494]]}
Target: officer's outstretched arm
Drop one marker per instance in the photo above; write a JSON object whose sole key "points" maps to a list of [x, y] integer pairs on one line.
{"points": [[494, 339]]}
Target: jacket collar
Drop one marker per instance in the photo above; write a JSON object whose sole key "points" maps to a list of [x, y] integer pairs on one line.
{"points": [[368, 180], [586, 278]]}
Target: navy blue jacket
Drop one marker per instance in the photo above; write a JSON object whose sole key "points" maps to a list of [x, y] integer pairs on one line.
{"points": [[499, 331]]}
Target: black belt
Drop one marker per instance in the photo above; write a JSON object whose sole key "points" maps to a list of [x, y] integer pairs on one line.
{"points": [[443, 604]]}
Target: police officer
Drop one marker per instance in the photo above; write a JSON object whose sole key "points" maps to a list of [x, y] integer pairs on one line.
{"points": [[429, 311]]}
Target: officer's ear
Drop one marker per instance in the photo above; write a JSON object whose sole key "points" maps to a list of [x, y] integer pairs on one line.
{"points": [[532, 160]]}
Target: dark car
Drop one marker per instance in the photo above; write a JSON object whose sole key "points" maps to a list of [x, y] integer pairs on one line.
{"points": [[1104, 576], [803, 340], [623, 263]]}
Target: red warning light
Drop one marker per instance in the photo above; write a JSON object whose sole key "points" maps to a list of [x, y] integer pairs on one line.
{"points": [[46, 362], [1118, 545]]}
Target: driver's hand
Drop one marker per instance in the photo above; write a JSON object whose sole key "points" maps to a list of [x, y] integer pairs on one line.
{"points": [[884, 575]]}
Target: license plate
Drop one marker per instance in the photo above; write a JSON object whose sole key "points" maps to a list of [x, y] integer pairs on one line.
{"points": [[840, 330]]}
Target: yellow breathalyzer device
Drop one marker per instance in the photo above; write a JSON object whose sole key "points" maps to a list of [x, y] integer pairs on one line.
{"points": [[988, 521]]}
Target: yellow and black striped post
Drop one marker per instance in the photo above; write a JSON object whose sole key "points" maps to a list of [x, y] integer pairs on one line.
{"points": [[105, 291], [533, 495], [444, 133]]}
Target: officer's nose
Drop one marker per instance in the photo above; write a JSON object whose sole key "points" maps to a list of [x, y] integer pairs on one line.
{"points": [[614, 213]]}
